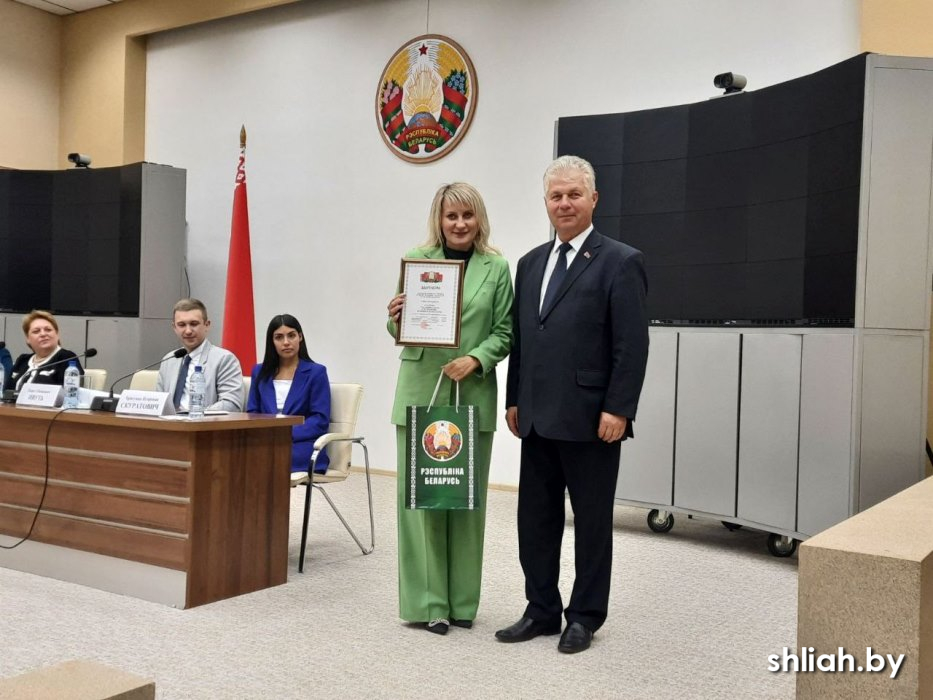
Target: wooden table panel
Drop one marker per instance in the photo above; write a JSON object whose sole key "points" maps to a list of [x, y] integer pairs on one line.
{"points": [[237, 499], [30, 427], [74, 499], [166, 477], [22, 458], [126, 439], [137, 545], [209, 497]]}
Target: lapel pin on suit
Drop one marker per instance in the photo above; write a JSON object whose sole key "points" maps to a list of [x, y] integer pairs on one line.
{"points": [[586, 254]]}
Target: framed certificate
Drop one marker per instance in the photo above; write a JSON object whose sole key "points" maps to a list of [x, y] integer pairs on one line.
{"points": [[433, 300]]}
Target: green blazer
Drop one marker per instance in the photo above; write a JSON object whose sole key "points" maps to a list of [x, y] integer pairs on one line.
{"points": [[485, 333]]}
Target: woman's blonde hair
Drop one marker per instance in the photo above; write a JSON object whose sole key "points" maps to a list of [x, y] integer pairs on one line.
{"points": [[37, 314], [465, 195]]}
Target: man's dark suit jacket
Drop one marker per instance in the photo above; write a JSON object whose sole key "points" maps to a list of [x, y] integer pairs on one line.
{"points": [[587, 352]]}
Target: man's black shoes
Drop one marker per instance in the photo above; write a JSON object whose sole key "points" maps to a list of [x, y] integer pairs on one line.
{"points": [[575, 638], [527, 628]]}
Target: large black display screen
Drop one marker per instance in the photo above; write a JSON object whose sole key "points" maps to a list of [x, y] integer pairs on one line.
{"points": [[70, 240], [745, 206]]}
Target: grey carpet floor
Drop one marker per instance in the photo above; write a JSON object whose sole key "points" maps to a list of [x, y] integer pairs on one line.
{"points": [[694, 613]]}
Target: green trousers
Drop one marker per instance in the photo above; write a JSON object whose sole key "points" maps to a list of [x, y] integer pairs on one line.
{"points": [[440, 552]]}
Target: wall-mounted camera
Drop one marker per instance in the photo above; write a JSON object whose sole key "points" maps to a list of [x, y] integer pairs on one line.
{"points": [[730, 83], [81, 160]]}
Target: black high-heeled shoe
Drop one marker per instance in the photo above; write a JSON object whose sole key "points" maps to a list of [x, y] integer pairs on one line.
{"points": [[438, 626]]}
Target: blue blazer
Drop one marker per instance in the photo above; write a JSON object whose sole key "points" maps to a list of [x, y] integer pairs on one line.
{"points": [[6, 361], [309, 396]]}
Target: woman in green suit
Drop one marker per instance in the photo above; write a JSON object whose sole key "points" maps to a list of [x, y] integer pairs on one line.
{"points": [[440, 552]]}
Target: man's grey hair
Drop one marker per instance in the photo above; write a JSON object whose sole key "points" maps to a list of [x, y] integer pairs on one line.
{"points": [[568, 164]]}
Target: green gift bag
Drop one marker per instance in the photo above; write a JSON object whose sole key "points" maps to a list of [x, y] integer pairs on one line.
{"points": [[440, 472]]}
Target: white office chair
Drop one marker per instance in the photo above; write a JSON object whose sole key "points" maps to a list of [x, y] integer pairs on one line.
{"points": [[95, 379], [345, 402], [145, 380]]}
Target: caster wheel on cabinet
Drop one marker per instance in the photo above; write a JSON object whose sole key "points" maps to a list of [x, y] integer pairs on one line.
{"points": [[781, 546], [660, 521]]}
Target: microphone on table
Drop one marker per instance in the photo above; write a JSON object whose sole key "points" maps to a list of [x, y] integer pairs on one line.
{"points": [[109, 403], [10, 394]]}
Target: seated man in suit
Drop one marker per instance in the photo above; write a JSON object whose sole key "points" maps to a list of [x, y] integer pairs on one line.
{"points": [[223, 378]]}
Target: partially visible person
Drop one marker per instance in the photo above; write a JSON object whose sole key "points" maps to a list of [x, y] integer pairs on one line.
{"points": [[288, 381], [440, 552], [41, 330], [223, 390], [6, 361]]}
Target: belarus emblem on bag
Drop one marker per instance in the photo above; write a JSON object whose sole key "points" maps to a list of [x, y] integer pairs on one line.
{"points": [[440, 463]]}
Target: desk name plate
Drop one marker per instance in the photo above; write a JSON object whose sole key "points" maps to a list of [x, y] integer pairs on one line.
{"points": [[135, 402], [42, 395]]}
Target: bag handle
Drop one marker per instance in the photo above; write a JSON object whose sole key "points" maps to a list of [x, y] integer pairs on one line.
{"points": [[437, 388]]}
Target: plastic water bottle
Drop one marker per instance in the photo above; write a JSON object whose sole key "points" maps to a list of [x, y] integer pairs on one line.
{"points": [[196, 393], [2, 378], [72, 384]]}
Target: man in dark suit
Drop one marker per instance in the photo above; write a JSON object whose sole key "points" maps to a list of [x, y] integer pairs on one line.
{"points": [[575, 374]]}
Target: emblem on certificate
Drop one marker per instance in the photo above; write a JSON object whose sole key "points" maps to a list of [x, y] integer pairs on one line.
{"points": [[433, 292]]}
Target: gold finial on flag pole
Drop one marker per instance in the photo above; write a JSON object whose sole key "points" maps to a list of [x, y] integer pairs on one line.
{"points": [[243, 136]]}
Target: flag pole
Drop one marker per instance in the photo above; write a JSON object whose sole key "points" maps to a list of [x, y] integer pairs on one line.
{"points": [[239, 333]]}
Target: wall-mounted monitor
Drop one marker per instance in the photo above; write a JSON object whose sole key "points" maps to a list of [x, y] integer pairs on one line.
{"points": [[70, 240], [746, 206]]}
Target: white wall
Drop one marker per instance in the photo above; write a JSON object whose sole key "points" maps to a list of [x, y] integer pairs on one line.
{"points": [[332, 210]]}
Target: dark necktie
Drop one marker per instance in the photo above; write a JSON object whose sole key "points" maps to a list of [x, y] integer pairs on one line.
{"points": [[182, 380], [557, 277]]}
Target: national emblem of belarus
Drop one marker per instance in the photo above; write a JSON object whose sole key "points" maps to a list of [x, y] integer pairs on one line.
{"points": [[426, 98], [442, 440]]}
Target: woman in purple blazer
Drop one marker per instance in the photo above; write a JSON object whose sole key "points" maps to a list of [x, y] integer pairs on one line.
{"points": [[288, 381]]}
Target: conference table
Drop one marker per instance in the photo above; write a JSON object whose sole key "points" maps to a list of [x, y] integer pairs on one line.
{"points": [[181, 512]]}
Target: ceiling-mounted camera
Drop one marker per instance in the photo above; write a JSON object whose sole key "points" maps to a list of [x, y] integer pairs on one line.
{"points": [[730, 83], [81, 160]]}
